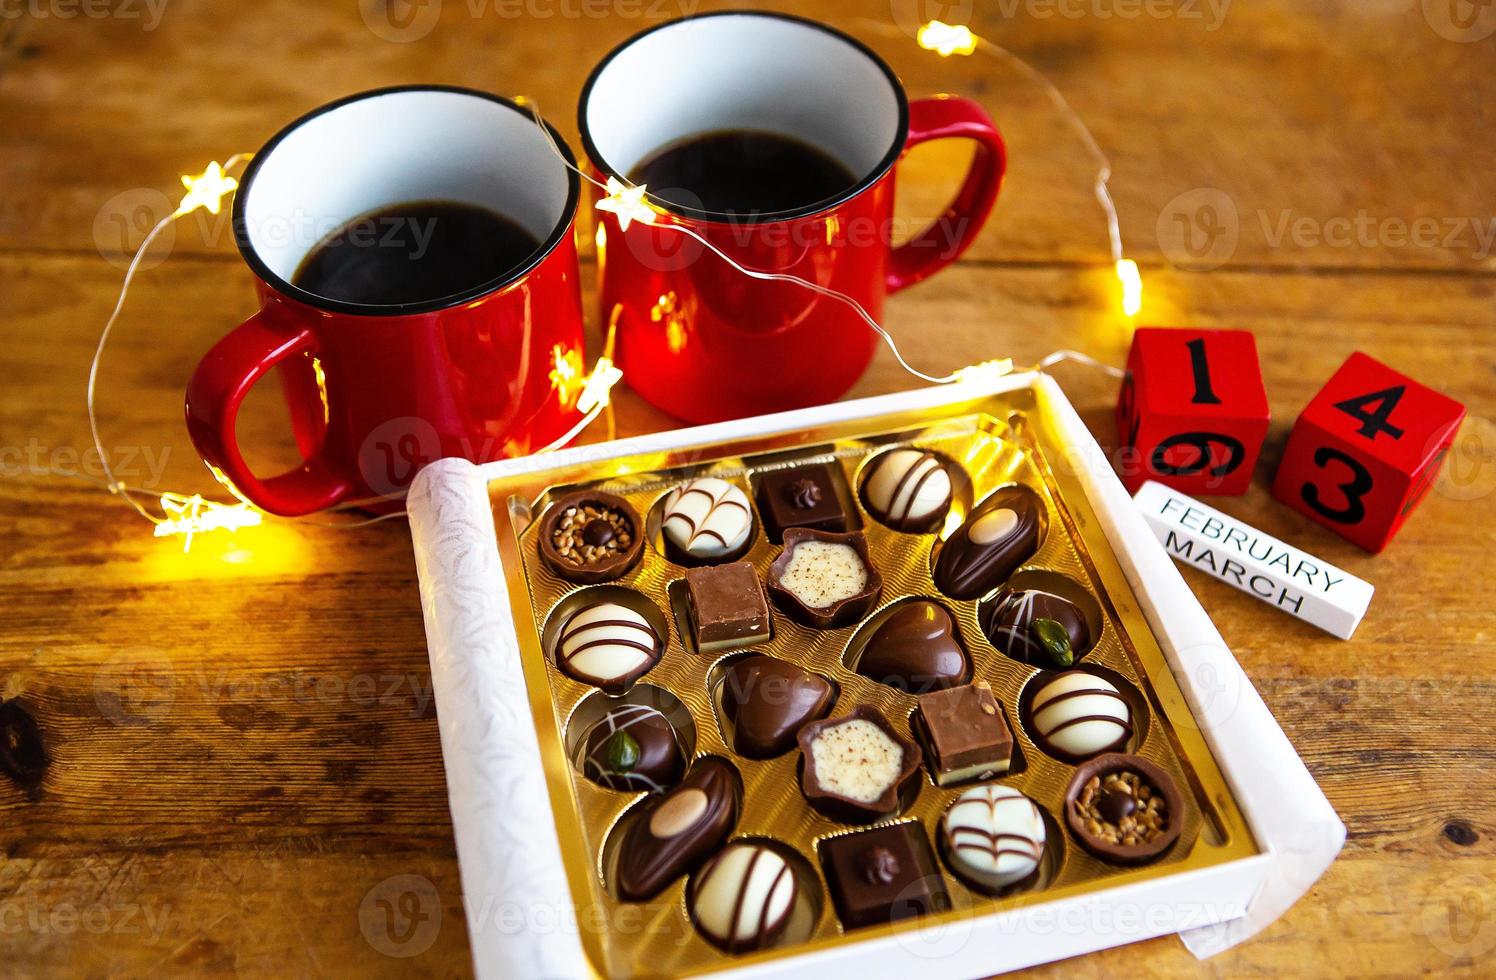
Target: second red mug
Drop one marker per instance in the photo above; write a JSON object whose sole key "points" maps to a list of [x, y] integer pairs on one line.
{"points": [[697, 337]]}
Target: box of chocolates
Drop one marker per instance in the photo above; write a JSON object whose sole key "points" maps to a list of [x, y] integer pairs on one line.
{"points": [[847, 685]]}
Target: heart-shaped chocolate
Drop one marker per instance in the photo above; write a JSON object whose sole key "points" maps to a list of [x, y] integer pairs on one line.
{"points": [[915, 649], [674, 832], [767, 700]]}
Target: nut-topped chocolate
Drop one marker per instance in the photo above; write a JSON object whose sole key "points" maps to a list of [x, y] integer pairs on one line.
{"points": [[675, 831], [882, 874], [1037, 627], [810, 495], [1077, 714], [632, 747], [856, 767], [607, 644], [743, 898], [916, 649], [823, 579], [1001, 533], [908, 489], [706, 520], [1124, 809], [993, 837], [590, 536], [766, 701]]}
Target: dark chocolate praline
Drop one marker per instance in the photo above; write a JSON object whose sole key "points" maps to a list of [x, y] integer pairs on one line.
{"points": [[673, 832], [1108, 805], [615, 549], [1000, 534], [632, 747], [767, 700]]}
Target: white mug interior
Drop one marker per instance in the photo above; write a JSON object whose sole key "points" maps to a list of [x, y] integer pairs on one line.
{"points": [[390, 147], [744, 71]]}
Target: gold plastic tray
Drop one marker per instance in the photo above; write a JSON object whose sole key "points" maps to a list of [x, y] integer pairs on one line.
{"points": [[1003, 439]]}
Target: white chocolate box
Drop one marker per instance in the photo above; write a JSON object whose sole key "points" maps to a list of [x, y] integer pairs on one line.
{"points": [[521, 916]]}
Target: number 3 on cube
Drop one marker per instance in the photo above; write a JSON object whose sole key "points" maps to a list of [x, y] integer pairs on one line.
{"points": [[1365, 451]]}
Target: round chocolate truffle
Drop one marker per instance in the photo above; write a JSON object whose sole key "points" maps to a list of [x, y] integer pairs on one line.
{"points": [[993, 837], [907, 489], [707, 519], [609, 645], [1077, 714], [590, 536], [632, 747], [1037, 627], [742, 900]]}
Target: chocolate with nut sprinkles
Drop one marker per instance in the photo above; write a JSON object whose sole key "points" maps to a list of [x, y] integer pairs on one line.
{"points": [[1124, 809], [590, 537]]}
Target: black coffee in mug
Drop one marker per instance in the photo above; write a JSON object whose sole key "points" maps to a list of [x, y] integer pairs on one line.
{"points": [[742, 171], [414, 252]]}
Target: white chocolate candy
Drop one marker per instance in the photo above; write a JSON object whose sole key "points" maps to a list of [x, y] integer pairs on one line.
{"points": [[994, 836], [857, 760], [907, 489], [707, 518], [607, 644], [823, 573], [1077, 715], [743, 898]]}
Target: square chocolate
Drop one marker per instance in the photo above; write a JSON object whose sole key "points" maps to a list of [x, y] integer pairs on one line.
{"points": [[727, 606], [964, 733], [880, 875], [810, 496]]}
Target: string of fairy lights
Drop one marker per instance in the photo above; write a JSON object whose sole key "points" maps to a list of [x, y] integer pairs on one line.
{"points": [[189, 515]]}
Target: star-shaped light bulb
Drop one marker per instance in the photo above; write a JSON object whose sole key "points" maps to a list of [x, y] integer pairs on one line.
{"points": [[193, 515], [627, 203], [1132, 286], [206, 190], [946, 39]]}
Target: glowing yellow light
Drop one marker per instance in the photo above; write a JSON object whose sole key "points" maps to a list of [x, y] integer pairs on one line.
{"points": [[1132, 286], [566, 374], [205, 190], [193, 515], [946, 39], [627, 203], [986, 371], [602, 379]]}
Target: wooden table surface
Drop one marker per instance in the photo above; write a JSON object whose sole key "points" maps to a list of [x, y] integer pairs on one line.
{"points": [[243, 745]]}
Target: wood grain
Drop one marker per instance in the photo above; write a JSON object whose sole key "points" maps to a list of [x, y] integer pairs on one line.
{"points": [[244, 749]]}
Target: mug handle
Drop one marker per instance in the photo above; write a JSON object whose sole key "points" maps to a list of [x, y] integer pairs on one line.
{"points": [[217, 390], [947, 117]]}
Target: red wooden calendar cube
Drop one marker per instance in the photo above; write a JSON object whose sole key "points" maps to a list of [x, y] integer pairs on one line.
{"points": [[1192, 414], [1366, 450]]}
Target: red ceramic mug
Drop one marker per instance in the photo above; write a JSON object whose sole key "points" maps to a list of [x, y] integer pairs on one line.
{"points": [[375, 392], [697, 337]]}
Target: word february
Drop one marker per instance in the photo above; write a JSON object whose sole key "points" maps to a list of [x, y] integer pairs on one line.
{"points": [[1242, 556]]}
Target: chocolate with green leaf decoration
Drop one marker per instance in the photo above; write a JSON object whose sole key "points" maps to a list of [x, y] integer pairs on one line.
{"points": [[1037, 628], [632, 747]]}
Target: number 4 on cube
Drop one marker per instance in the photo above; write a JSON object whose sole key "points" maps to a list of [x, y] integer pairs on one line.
{"points": [[1366, 450], [1193, 412]]}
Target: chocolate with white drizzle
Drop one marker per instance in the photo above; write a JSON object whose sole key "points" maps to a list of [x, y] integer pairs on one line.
{"points": [[674, 832], [608, 645], [742, 900], [1001, 533], [1076, 715], [993, 837], [632, 747], [1013, 622], [707, 519], [907, 489]]}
